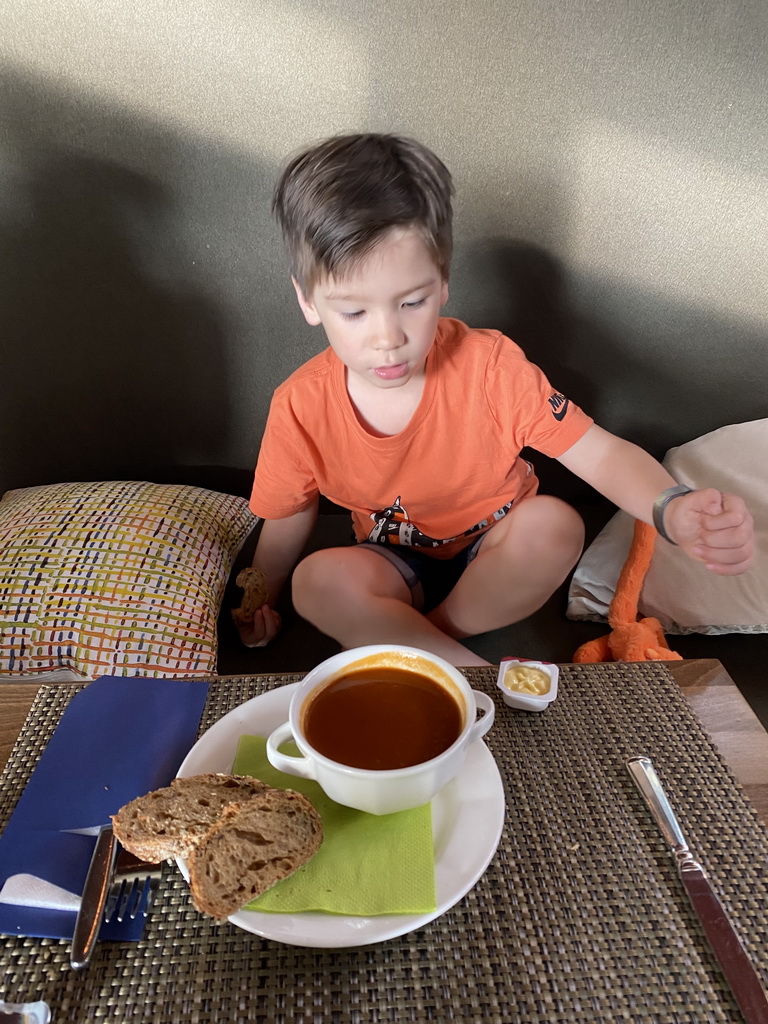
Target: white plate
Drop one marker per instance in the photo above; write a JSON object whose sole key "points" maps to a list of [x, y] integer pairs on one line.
{"points": [[467, 818]]}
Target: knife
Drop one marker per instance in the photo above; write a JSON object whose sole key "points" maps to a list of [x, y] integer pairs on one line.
{"points": [[732, 957], [95, 894]]}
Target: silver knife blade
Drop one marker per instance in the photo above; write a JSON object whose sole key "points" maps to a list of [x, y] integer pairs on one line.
{"points": [[94, 897], [733, 958]]}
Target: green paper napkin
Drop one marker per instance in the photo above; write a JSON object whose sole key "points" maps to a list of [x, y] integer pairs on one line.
{"points": [[368, 864]]}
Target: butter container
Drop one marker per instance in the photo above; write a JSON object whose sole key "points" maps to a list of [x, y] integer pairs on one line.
{"points": [[24, 1013], [527, 685]]}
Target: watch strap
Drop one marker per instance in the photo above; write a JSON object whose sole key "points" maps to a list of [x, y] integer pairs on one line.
{"points": [[660, 505]]}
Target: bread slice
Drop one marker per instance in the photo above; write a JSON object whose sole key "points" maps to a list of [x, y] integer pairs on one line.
{"points": [[167, 823], [255, 844]]}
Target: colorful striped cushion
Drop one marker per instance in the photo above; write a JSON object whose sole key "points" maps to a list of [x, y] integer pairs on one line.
{"points": [[119, 578]]}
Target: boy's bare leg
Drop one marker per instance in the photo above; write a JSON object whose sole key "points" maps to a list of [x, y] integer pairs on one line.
{"points": [[521, 562], [357, 597]]}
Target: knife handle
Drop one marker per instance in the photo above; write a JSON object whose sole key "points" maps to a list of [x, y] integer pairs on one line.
{"points": [[94, 897], [647, 781]]}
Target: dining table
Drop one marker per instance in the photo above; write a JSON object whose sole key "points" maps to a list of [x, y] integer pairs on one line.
{"points": [[579, 915]]}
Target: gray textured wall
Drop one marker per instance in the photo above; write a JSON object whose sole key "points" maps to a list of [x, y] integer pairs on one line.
{"points": [[612, 176]]}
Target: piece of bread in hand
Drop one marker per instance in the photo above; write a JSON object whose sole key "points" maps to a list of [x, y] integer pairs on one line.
{"points": [[255, 844], [254, 583], [168, 822]]}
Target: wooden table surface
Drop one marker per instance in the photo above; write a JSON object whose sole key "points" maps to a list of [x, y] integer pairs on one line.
{"points": [[714, 697]]}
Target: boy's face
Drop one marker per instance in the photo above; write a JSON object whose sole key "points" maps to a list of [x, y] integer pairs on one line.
{"points": [[381, 319]]}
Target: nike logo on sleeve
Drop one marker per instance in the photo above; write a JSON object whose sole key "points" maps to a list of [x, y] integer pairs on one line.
{"points": [[559, 404]]}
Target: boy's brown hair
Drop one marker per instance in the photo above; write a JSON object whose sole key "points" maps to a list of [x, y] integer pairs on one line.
{"points": [[336, 200]]}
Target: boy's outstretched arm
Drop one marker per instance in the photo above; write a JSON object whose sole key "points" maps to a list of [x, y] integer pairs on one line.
{"points": [[711, 527], [281, 541]]}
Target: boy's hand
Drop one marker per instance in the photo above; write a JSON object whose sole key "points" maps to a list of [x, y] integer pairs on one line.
{"points": [[713, 528], [264, 627]]}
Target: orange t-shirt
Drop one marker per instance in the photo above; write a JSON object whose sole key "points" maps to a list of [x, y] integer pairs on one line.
{"points": [[449, 476]]}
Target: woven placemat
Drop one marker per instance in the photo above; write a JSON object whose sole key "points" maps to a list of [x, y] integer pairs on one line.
{"points": [[579, 918]]}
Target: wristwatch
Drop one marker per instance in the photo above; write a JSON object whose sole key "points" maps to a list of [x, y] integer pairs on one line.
{"points": [[660, 505]]}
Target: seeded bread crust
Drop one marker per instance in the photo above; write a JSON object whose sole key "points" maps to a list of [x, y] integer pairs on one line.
{"points": [[167, 823], [255, 844], [254, 583]]}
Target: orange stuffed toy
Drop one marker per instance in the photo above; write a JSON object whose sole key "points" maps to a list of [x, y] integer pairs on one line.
{"points": [[630, 639]]}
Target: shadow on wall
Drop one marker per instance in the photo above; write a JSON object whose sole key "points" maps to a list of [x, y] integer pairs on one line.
{"points": [[527, 299], [525, 296], [646, 366], [114, 359], [108, 371]]}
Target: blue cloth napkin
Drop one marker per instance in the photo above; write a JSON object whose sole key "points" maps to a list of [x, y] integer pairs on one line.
{"points": [[117, 739]]}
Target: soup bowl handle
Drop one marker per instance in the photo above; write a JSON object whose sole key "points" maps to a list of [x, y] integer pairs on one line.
{"points": [[300, 766], [482, 725]]}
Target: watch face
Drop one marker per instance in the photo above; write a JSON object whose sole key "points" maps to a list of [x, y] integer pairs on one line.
{"points": [[661, 503]]}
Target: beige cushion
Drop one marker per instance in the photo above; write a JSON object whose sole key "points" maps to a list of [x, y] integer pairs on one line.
{"points": [[117, 578], [681, 593]]}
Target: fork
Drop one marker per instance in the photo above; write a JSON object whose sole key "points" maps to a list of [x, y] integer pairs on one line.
{"points": [[134, 883], [117, 885]]}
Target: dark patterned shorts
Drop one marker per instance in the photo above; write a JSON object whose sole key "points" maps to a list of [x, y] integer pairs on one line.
{"points": [[430, 580]]}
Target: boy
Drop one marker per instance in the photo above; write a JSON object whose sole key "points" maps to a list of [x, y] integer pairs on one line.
{"points": [[415, 423]]}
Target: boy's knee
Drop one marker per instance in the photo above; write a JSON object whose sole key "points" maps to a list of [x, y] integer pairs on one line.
{"points": [[312, 576], [325, 576], [564, 518], [565, 538], [562, 525], [333, 577], [554, 529]]}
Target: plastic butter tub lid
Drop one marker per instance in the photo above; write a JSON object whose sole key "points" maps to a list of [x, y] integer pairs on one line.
{"points": [[527, 685], [24, 1013]]}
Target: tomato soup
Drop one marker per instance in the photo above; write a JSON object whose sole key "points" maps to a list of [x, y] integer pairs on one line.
{"points": [[382, 718]]}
